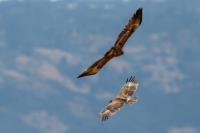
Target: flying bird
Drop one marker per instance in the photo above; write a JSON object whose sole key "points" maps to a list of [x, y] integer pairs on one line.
{"points": [[125, 96], [116, 50]]}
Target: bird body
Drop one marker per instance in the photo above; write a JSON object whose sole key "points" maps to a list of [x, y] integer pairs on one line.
{"points": [[125, 96]]}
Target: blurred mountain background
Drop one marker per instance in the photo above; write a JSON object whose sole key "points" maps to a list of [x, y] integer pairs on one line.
{"points": [[46, 44]]}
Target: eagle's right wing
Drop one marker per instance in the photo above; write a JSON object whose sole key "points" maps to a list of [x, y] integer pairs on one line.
{"points": [[129, 29], [128, 90]]}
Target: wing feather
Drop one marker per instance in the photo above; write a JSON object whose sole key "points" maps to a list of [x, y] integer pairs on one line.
{"points": [[129, 29], [128, 89], [112, 108], [96, 67]]}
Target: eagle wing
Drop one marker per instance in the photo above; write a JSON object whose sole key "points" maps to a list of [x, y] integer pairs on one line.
{"points": [[128, 90], [96, 67], [112, 108], [129, 29]]}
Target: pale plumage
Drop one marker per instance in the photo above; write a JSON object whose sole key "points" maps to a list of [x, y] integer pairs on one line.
{"points": [[125, 96]]}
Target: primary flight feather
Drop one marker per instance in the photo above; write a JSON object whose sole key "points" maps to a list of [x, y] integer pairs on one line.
{"points": [[116, 50], [125, 96]]}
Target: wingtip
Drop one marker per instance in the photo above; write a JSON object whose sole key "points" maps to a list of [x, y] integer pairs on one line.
{"points": [[78, 77], [140, 9], [139, 13], [104, 118], [131, 79], [85, 73], [81, 75]]}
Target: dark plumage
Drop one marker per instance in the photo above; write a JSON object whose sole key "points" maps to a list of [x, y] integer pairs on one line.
{"points": [[116, 50]]}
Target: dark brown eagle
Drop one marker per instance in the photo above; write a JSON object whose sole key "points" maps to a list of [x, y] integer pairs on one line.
{"points": [[116, 50], [125, 96]]}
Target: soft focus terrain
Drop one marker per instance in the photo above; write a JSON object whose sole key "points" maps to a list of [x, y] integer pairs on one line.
{"points": [[46, 44]]}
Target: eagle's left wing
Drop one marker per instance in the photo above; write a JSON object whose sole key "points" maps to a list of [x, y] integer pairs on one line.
{"points": [[97, 66], [112, 108]]}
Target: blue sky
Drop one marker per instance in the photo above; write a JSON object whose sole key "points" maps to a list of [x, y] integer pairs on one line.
{"points": [[46, 44]]}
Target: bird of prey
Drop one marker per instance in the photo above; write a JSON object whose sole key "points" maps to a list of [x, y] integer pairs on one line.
{"points": [[116, 50], [125, 96]]}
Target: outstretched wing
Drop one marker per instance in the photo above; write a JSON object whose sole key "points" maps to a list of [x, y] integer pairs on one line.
{"points": [[128, 89], [129, 29], [112, 108], [96, 67]]}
